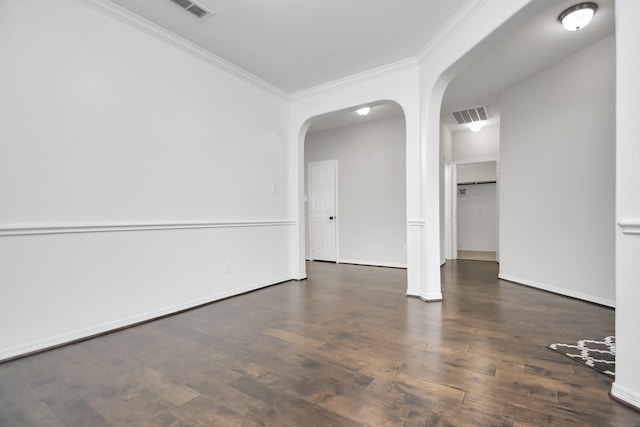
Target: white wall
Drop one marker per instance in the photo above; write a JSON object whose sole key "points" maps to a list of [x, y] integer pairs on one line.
{"points": [[627, 384], [477, 218], [477, 207], [371, 189], [106, 128], [473, 146], [476, 172], [557, 177]]}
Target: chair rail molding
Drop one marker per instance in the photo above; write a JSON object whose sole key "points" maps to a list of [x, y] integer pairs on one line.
{"points": [[629, 226], [26, 230]]}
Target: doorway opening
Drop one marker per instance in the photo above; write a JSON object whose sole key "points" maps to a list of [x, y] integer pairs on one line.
{"points": [[477, 211], [472, 213], [355, 187]]}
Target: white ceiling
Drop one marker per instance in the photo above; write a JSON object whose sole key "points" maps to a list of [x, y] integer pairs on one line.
{"points": [[533, 46], [298, 44], [341, 119], [295, 45], [537, 44]]}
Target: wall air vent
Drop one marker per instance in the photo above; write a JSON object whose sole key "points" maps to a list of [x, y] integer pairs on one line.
{"points": [[470, 115], [194, 8]]}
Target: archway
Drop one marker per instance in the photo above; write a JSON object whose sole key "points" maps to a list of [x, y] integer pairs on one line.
{"points": [[364, 222]]}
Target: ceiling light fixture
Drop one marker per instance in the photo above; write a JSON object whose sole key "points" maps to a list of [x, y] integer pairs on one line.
{"points": [[363, 111], [578, 16], [475, 126]]}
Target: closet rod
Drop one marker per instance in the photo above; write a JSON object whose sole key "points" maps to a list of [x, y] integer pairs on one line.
{"points": [[477, 182]]}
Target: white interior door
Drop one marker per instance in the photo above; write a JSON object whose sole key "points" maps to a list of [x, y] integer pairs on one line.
{"points": [[322, 210]]}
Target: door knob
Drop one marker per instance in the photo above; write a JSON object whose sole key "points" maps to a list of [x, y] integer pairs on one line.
{"points": [[331, 218]]}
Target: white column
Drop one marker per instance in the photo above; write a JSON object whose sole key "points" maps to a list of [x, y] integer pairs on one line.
{"points": [[433, 90], [415, 215], [627, 384]]}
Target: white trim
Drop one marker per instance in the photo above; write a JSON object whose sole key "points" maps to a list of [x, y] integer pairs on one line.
{"points": [[448, 230], [625, 395], [416, 222], [451, 27], [476, 160], [630, 226], [451, 220], [26, 230], [110, 9], [560, 291], [434, 297], [372, 263], [34, 346], [355, 78]]}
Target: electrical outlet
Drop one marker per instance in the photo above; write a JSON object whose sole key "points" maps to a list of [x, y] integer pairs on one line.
{"points": [[227, 266]]}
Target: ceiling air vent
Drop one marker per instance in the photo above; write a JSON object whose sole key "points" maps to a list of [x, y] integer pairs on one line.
{"points": [[194, 8], [470, 115]]}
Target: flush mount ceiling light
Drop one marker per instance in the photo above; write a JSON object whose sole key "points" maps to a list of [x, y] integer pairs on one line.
{"points": [[363, 111], [475, 126], [578, 16]]}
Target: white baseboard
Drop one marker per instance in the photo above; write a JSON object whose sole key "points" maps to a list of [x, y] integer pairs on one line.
{"points": [[415, 293], [433, 297], [560, 291], [625, 395], [371, 263], [59, 340]]}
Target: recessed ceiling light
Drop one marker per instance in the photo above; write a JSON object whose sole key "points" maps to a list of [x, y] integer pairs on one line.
{"points": [[475, 126], [363, 111], [578, 16]]}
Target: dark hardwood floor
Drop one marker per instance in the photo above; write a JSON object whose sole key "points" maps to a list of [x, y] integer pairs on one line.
{"points": [[343, 348]]}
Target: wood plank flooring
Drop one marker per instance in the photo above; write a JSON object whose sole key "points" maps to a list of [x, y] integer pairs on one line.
{"points": [[344, 348], [477, 255]]}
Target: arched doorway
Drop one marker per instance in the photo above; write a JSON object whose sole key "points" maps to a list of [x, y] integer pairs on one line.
{"points": [[362, 211]]}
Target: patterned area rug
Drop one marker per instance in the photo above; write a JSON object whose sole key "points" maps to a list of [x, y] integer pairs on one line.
{"points": [[597, 354]]}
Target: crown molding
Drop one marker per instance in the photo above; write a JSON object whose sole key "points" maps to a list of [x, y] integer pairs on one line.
{"points": [[356, 78], [115, 11], [123, 15], [453, 25]]}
